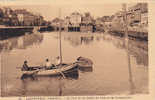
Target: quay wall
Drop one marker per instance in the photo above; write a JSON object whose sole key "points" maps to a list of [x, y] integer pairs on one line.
{"points": [[12, 32], [48, 28], [133, 33], [8, 32]]}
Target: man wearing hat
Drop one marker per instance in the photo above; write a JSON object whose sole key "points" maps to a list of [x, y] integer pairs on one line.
{"points": [[25, 66]]}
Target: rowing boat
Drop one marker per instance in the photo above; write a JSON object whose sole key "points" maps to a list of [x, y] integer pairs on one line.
{"points": [[61, 69], [83, 62]]}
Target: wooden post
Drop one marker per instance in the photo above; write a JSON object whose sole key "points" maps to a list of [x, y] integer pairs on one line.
{"points": [[127, 48]]}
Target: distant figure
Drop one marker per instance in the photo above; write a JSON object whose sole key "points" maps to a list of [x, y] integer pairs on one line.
{"points": [[25, 66], [48, 64]]}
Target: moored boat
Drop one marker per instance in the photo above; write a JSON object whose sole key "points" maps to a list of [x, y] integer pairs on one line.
{"points": [[84, 62]]}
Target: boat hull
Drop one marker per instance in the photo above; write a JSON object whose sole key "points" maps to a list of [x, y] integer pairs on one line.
{"points": [[84, 62], [57, 71]]}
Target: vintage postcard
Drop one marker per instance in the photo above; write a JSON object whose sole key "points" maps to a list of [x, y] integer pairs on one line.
{"points": [[76, 50]]}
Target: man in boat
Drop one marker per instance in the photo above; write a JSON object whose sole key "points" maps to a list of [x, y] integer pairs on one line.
{"points": [[58, 61], [48, 64], [25, 66]]}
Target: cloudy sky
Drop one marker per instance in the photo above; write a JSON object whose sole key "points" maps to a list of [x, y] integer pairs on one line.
{"points": [[50, 8]]}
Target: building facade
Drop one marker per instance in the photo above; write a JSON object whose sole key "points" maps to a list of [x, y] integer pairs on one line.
{"points": [[74, 22], [75, 19], [99, 25], [87, 23], [137, 14], [117, 22]]}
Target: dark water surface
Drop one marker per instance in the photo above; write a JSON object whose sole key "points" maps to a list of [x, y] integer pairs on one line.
{"points": [[110, 75]]}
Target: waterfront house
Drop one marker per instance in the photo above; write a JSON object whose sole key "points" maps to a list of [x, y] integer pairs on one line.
{"points": [[57, 23], [28, 19], [107, 22], [67, 23], [144, 15], [99, 24], [144, 19], [134, 15], [137, 14], [75, 20], [139, 20], [22, 15], [117, 22], [87, 23]]}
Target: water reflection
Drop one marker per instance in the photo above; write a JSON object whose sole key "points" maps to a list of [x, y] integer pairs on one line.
{"points": [[103, 49], [74, 74], [86, 40], [77, 40], [86, 69], [21, 42], [131, 82], [26, 80], [138, 49]]}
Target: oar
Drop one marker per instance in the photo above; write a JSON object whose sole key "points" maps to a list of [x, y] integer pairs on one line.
{"points": [[36, 72], [21, 67], [62, 74]]}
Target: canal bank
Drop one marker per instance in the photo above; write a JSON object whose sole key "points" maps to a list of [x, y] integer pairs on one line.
{"points": [[9, 32], [135, 35]]}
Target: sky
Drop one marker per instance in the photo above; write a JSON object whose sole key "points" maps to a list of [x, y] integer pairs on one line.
{"points": [[50, 8]]}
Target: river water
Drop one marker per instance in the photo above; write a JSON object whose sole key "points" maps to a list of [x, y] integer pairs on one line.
{"points": [[115, 70]]}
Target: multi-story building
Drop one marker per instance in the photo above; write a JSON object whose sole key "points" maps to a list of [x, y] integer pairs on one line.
{"points": [[67, 23], [13, 19], [6, 19], [87, 19], [75, 19], [144, 15], [144, 19], [24, 17], [99, 24], [7, 11], [137, 13], [19, 17], [87, 23], [107, 22], [117, 22], [39, 20], [27, 18], [57, 23]]}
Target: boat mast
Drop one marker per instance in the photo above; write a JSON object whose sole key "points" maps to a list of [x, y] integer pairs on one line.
{"points": [[60, 36]]}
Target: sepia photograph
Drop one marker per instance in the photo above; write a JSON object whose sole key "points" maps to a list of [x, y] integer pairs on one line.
{"points": [[74, 49]]}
